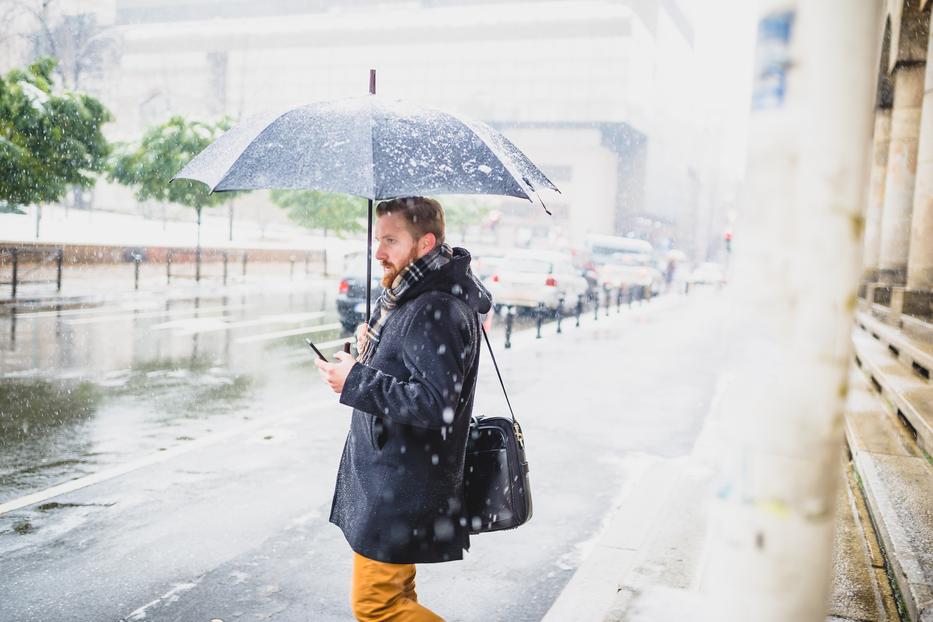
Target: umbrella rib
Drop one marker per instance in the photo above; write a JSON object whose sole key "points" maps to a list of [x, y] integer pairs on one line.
{"points": [[243, 152], [492, 150], [550, 184]]}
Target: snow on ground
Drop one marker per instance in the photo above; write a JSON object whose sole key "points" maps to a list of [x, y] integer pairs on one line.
{"points": [[61, 226]]}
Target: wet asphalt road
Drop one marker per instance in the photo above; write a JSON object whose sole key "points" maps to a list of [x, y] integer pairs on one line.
{"points": [[230, 446]]}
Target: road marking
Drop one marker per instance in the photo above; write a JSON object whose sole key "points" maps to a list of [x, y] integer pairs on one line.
{"points": [[123, 309], [170, 596], [307, 330], [156, 458], [207, 325], [147, 304], [150, 314]]}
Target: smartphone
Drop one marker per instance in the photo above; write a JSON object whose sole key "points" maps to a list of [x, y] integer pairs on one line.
{"points": [[316, 351]]}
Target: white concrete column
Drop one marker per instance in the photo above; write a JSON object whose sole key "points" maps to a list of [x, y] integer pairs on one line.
{"points": [[920, 258], [879, 171], [902, 172], [797, 265]]}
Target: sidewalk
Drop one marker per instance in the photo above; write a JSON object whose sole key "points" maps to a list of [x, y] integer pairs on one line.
{"points": [[649, 562], [587, 399], [61, 226], [96, 282]]}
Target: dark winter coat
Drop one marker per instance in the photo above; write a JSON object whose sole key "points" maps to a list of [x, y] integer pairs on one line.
{"points": [[399, 494]]}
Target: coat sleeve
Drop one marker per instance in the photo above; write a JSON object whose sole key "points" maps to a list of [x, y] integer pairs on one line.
{"points": [[436, 355]]}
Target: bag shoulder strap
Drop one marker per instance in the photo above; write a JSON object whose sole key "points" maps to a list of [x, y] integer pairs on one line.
{"points": [[496, 365]]}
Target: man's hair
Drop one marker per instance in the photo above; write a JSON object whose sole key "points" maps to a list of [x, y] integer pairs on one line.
{"points": [[421, 214]]}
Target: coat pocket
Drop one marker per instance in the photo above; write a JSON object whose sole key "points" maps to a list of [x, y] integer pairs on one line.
{"points": [[378, 435]]}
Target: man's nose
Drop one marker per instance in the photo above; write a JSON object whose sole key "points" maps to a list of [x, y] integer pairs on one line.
{"points": [[380, 253]]}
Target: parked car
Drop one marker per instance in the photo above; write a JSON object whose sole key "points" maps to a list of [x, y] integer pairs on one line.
{"points": [[631, 271], [528, 278], [485, 264], [351, 292], [709, 273]]}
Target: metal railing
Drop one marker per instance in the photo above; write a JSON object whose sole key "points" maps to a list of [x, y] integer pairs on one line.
{"points": [[24, 263], [621, 296]]}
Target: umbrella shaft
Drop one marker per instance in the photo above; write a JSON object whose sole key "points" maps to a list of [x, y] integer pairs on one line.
{"points": [[369, 258]]}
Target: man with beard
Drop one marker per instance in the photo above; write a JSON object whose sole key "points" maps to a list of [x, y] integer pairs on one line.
{"points": [[399, 498]]}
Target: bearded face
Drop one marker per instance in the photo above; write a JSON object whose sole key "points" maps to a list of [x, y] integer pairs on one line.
{"points": [[392, 269]]}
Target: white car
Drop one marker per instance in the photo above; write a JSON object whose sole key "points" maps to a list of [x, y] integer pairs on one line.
{"points": [[708, 274], [528, 278], [627, 270]]}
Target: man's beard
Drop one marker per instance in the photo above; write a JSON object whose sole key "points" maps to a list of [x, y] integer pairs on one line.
{"points": [[389, 277]]}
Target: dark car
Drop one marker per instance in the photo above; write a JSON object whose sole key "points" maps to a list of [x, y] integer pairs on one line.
{"points": [[351, 298]]}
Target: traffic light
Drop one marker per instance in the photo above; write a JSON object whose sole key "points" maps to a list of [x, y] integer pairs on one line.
{"points": [[727, 236]]}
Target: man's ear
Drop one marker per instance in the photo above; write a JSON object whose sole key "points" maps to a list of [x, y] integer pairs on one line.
{"points": [[427, 242]]}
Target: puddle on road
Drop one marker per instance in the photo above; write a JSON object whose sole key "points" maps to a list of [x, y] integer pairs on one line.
{"points": [[78, 397]]}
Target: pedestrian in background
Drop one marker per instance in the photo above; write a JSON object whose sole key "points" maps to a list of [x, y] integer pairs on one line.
{"points": [[399, 498]]}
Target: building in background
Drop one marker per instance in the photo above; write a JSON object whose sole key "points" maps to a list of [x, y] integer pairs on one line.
{"points": [[600, 93]]}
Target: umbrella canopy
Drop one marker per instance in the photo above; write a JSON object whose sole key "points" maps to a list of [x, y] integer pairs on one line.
{"points": [[368, 147]]}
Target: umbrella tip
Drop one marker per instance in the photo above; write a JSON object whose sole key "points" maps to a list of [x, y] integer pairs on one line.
{"points": [[540, 200]]}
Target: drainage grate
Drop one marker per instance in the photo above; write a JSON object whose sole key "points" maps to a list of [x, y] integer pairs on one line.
{"points": [[894, 351], [921, 371], [876, 384]]}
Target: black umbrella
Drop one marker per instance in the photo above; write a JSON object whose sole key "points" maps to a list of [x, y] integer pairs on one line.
{"points": [[368, 147]]}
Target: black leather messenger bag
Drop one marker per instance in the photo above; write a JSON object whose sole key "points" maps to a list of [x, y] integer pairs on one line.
{"points": [[496, 471]]}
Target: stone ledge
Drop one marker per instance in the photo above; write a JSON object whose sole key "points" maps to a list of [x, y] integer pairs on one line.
{"points": [[893, 371], [898, 487]]}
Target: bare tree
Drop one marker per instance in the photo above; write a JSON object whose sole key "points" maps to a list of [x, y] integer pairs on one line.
{"points": [[84, 48]]}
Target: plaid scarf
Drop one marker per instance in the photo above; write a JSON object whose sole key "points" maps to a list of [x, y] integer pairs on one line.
{"points": [[407, 278]]}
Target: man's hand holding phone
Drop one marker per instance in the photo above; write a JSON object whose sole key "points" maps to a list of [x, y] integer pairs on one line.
{"points": [[334, 374]]}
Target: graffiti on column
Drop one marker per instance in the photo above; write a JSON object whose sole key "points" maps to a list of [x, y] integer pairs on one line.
{"points": [[772, 58]]}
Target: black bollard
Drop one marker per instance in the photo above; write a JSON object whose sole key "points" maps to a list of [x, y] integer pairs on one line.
{"points": [[136, 258], [595, 296], [168, 267], [225, 267], [15, 282], [59, 256], [608, 298], [560, 313], [579, 308], [508, 327], [619, 300], [539, 318]]}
